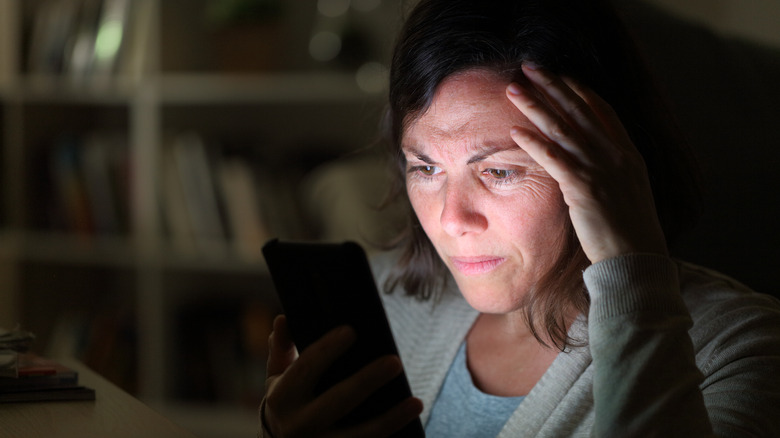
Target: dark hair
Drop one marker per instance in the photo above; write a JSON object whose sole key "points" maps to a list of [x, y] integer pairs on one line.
{"points": [[582, 39]]}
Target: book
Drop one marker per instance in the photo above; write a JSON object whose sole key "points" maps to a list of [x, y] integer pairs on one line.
{"points": [[42, 379], [90, 183], [173, 205], [70, 192], [110, 36], [84, 39], [101, 182], [79, 56], [192, 164], [72, 393], [54, 24], [238, 187], [134, 58], [35, 372]]}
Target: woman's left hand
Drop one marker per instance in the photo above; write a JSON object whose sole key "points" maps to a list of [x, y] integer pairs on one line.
{"points": [[583, 145]]}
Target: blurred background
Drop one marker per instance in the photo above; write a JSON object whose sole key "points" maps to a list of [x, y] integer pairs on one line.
{"points": [[149, 147]]}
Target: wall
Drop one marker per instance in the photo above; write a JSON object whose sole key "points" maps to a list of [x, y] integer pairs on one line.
{"points": [[753, 19]]}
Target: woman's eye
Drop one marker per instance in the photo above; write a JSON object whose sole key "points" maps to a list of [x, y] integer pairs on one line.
{"points": [[502, 177], [500, 173], [427, 170]]}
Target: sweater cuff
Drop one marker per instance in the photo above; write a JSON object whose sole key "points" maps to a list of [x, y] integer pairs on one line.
{"points": [[647, 283]]}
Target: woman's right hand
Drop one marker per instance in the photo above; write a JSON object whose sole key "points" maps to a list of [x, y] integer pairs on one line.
{"points": [[291, 408]]}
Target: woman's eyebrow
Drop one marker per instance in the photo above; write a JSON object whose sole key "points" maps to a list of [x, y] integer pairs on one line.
{"points": [[492, 150], [483, 153], [419, 155]]}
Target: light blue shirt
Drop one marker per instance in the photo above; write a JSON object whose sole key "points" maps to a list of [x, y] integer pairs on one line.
{"points": [[461, 410]]}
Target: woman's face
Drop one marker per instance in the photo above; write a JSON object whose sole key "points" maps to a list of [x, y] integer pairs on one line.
{"points": [[495, 217]]}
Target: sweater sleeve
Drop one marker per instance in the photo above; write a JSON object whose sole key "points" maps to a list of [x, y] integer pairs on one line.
{"points": [[646, 381]]}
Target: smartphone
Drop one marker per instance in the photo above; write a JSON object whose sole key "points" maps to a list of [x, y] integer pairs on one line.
{"points": [[325, 285]]}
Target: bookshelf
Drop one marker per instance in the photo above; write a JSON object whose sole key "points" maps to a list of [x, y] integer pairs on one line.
{"points": [[109, 280]]}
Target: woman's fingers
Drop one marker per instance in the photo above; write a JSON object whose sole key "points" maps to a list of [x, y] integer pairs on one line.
{"points": [[345, 396], [298, 416], [306, 371], [581, 142], [289, 389], [291, 406], [549, 123], [554, 144], [556, 161], [282, 351], [580, 121], [386, 424]]}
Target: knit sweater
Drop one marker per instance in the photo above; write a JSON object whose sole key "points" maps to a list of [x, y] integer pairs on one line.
{"points": [[672, 350]]}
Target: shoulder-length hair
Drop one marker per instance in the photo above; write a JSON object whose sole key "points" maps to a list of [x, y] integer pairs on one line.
{"points": [[582, 39]]}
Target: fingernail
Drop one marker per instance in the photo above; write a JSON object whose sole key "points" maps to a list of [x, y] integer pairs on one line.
{"points": [[513, 88], [392, 365], [530, 65], [346, 332]]}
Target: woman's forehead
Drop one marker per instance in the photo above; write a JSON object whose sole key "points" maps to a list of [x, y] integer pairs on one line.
{"points": [[460, 100], [470, 106]]}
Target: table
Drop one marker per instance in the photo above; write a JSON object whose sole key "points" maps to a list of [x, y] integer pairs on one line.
{"points": [[113, 414]]}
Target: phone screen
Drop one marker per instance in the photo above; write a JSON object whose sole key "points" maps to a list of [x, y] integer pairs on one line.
{"points": [[325, 285]]}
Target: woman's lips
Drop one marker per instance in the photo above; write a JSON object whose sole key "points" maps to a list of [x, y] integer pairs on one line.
{"points": [[476, 265]]}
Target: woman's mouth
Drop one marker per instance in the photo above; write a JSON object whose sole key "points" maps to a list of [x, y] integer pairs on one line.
{"points": [[476, 265]]}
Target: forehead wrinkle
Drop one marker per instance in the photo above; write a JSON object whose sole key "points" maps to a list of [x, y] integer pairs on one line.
{"points": [[442, 134], [452, 127], [469, 134], [492, 148], [457, 122], [479, 151]]}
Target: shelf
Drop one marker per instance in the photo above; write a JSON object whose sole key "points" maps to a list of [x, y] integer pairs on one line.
{"points": [[194, 89], [61, 89], [67, 248], [303, 87], [281, 122], [120, 252]]}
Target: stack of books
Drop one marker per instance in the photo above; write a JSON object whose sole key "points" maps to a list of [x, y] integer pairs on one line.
{"points": [[41, 379], [28, 377]]}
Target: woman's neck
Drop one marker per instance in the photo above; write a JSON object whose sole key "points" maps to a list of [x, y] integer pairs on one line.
{"points": [[503, 356]]}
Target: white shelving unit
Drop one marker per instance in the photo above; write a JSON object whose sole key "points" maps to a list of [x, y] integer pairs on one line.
{"points": [[140, 267]]}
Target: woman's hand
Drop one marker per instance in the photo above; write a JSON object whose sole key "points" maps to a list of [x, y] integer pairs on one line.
{"points": [[291, 408], [583, 145]]}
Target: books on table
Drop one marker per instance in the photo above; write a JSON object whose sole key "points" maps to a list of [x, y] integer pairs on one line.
{"points": [[42, 379]]}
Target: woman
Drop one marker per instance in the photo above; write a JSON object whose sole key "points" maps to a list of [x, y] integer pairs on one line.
{"points": [[546, 189]]}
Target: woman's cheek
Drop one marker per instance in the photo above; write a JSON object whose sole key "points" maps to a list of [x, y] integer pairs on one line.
{"points": [[422, 196], [415, 196]]}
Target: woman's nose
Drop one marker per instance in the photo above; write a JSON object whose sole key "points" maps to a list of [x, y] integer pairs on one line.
{"points": [[461, 214]]}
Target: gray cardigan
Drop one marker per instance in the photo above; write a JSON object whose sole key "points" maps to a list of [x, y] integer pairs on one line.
{"points": [[673, 350]]}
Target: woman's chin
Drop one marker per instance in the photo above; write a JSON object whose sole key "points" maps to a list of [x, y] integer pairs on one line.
{"points": [[492, 300]]}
